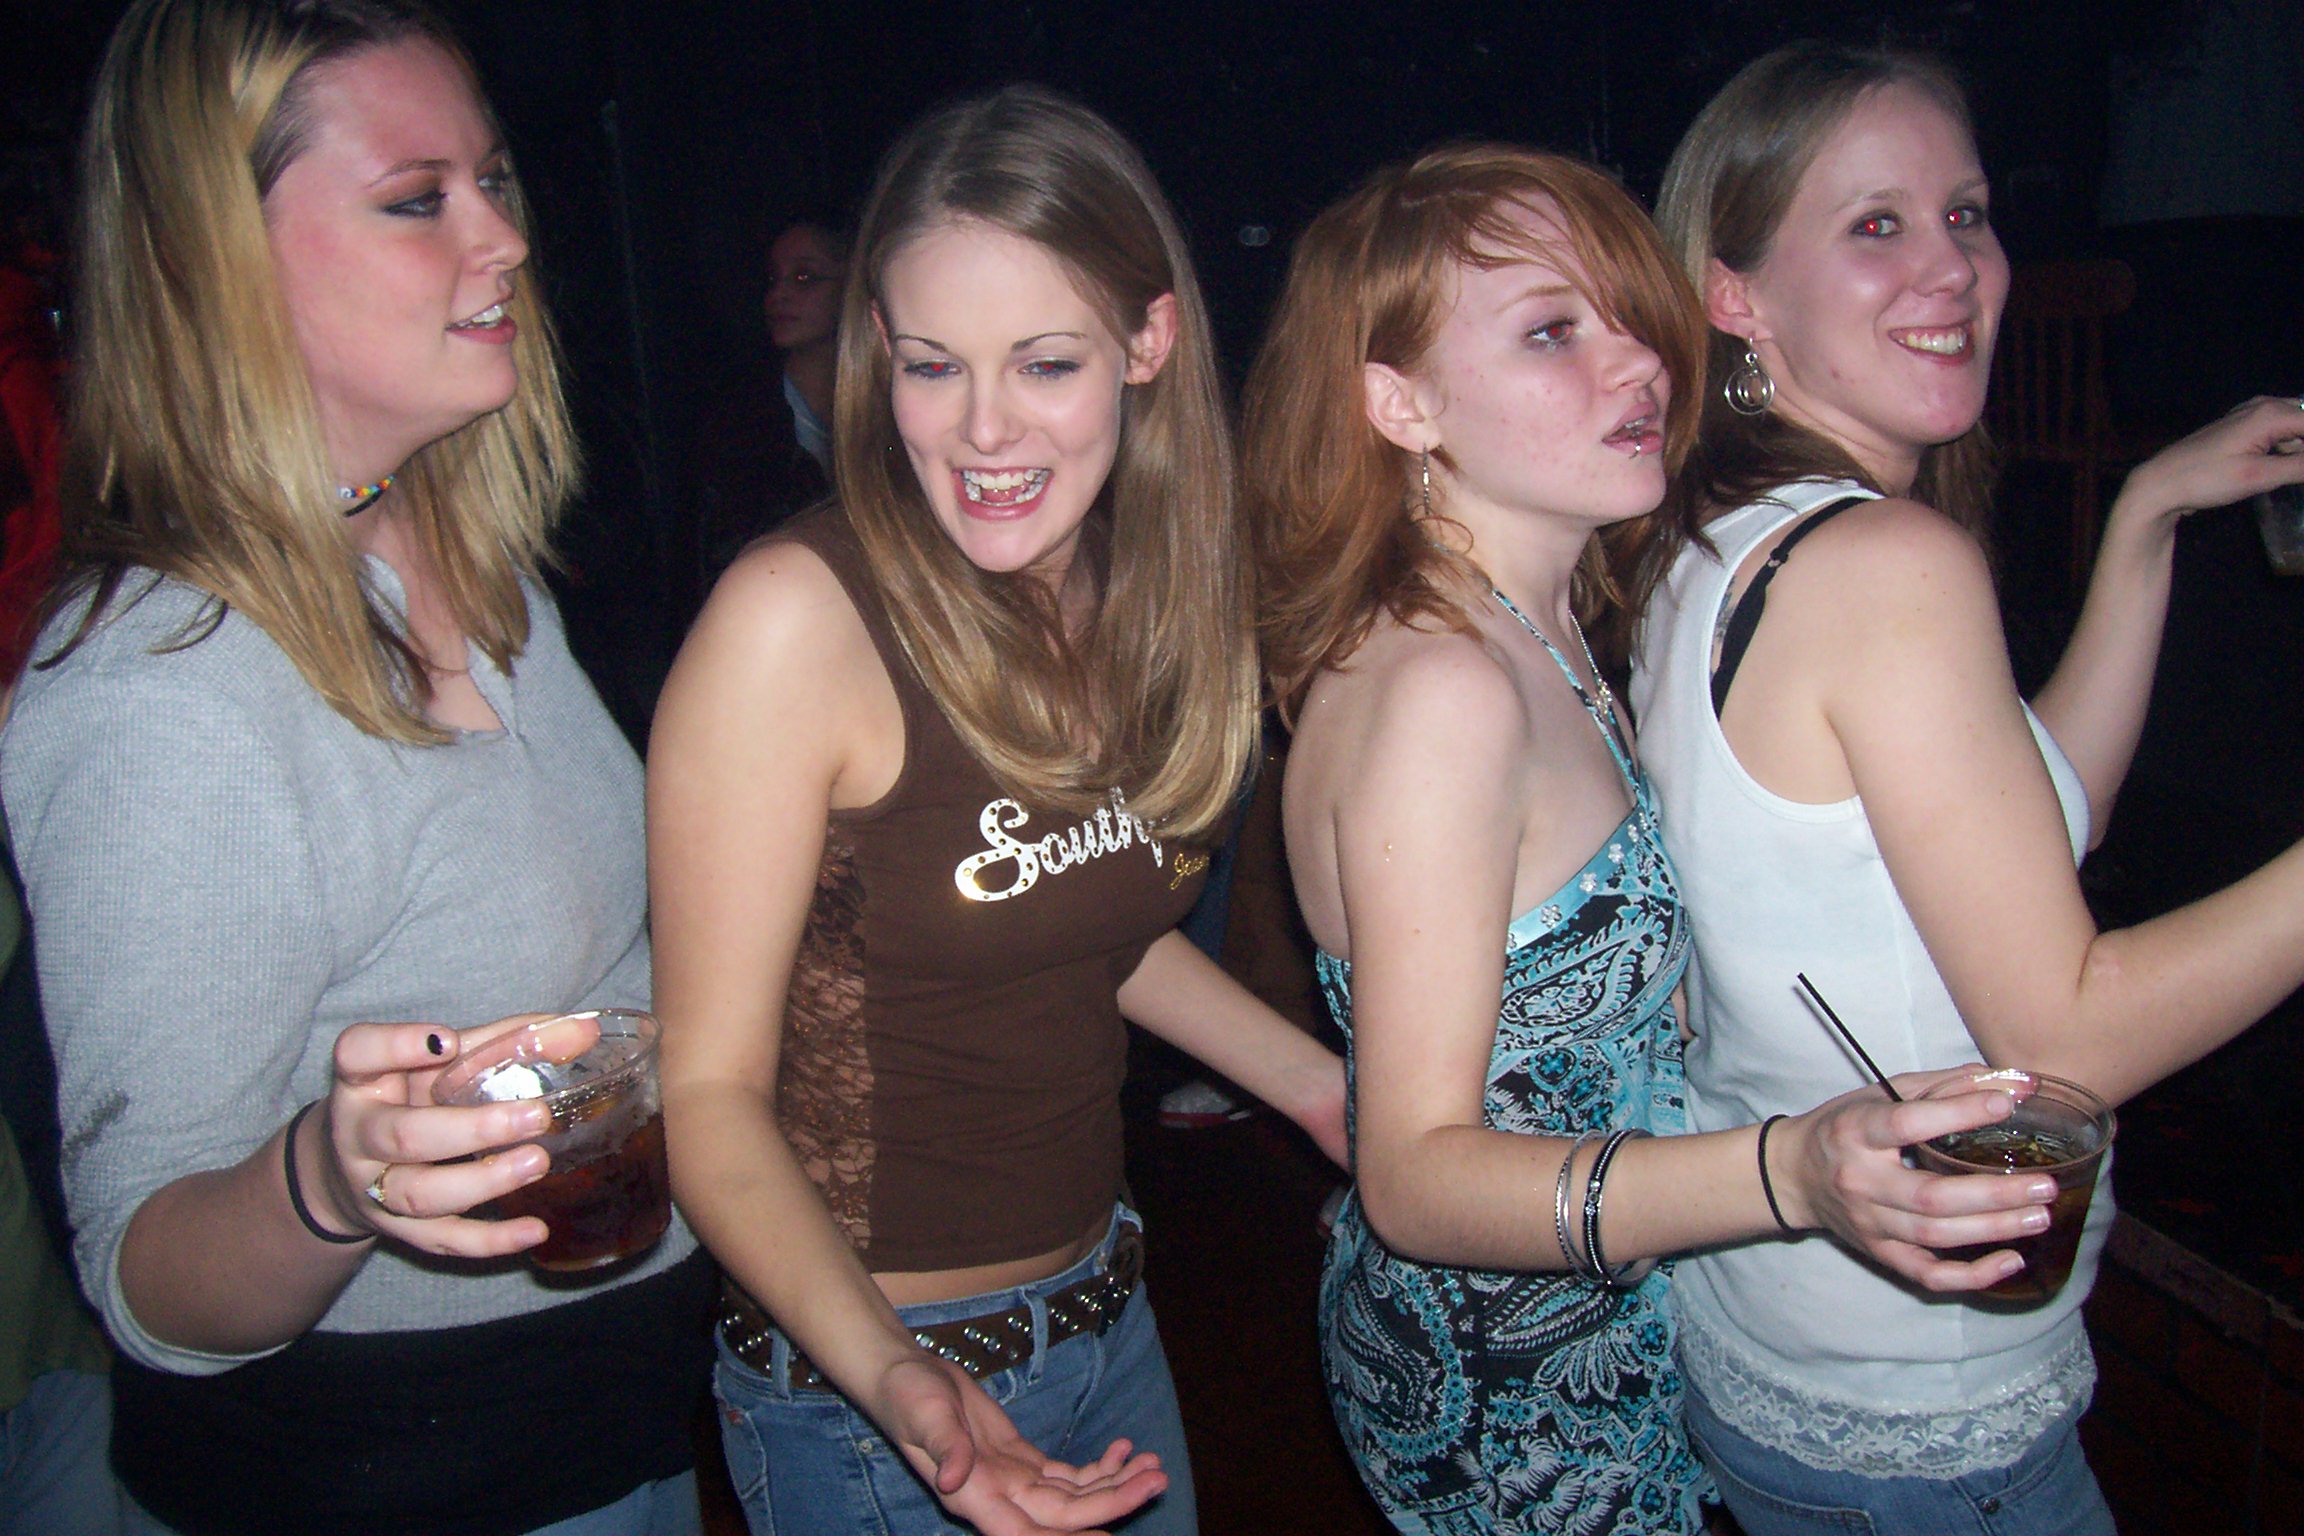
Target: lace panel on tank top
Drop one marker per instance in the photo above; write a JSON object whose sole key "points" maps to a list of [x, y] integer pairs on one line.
{"points": [[1833, 1436], [824, 1081]]}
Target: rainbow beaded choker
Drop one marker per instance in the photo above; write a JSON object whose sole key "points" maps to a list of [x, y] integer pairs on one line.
{"points": [[358, 497]]}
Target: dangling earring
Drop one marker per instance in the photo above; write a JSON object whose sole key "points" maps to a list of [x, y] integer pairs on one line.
{"points": [[1749, 391], [1424, 476]]}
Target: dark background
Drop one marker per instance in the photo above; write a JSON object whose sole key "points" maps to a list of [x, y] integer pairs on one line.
{"points": [[663, 141]]}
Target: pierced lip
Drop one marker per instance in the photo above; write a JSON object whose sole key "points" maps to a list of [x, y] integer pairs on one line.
{"points": [[1641, 424]]}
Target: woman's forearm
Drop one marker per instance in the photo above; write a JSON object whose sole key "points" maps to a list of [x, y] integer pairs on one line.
{"points": [[265, 1286], [754, 1206], [1185, 998], [2094, 703], [2157, 997]]}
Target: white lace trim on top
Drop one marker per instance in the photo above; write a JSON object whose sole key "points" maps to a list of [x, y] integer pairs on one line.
{"points": [[1833, 1436]]}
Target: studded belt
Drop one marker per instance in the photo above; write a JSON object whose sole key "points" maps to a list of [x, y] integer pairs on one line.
{"points": [[983, 1345]]}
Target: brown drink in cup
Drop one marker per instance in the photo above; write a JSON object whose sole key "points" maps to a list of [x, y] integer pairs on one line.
{"points": [[608, 1195], [2060, 1129]]}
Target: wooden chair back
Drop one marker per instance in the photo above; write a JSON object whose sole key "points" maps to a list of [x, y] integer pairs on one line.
{"points": [[2049, 402]]}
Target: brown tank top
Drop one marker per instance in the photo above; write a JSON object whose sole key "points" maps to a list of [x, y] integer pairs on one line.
{"points": [[953, 1042]]}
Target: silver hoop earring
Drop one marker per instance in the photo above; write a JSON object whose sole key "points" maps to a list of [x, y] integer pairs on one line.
{"points": [[1749, 391]]}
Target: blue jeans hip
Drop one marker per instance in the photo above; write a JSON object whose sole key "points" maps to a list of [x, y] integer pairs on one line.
{"points": [[2048, 1491], [808, 1460]]}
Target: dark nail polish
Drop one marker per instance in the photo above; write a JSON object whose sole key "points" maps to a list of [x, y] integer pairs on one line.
{"points": [[436, 1045]]}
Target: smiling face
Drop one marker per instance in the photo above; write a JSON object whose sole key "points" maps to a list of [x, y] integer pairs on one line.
{"points": [[804, 271], [1533, 402], [395, 254], [1006, 388], [1877, 305]]}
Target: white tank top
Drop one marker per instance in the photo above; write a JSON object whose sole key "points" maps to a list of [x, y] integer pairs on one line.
{"points": [[1801, 1345]]}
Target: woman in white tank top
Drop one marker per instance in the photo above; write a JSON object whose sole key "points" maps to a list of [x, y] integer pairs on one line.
{"points": [[1871, 803]]}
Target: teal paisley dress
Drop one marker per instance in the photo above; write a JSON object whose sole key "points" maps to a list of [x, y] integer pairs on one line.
{"points": [[1477, 1401]]}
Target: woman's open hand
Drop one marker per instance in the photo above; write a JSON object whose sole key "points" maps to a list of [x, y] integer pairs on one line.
{"points": [[983, 1471]]}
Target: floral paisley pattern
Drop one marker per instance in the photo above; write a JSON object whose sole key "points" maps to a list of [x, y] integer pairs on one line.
{"points": [[1478, 1401]]}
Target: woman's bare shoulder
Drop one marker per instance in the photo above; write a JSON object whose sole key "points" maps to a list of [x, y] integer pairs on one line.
{"points": [[780, 604], [1892, 537], [1422, 675], [780, 645], [1414, 703]]}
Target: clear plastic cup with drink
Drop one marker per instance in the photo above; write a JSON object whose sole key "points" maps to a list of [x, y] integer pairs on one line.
{"points": [[607, 1195], [2060, 1129]]}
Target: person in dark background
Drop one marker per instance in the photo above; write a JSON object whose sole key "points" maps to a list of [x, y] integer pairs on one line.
{"points": [[766, 452], [303, 748], [901, 809], [1862, 795]]}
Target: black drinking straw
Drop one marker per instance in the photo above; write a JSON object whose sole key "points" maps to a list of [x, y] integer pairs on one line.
{"points": [[1861, 1054]]}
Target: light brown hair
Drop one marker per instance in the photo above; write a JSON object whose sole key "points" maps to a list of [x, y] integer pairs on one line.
{"points": [[1333, 502], [195, 439], [1726, 192], [1156, 697]]}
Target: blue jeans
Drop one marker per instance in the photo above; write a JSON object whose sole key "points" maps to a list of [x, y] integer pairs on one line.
{"points": [[808, 1462], [666, 1507], [55, 1458], [2048, 1491]]}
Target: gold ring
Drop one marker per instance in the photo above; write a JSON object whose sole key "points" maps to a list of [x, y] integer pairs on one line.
{"points": [[375, 1189]]}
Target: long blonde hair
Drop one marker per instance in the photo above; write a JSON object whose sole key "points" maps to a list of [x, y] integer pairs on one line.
{"points": [[196, 449], [1726, 191], [1339, 539], [1157, 696]]}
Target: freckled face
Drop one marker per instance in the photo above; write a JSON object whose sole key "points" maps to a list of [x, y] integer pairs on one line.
{"points": [[1877, 305], [395, 254], [804, 272], [1006, 387], [1542, 406]]}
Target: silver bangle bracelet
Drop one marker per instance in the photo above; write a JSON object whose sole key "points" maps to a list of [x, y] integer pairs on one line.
{"points": [[1575, 1264]]}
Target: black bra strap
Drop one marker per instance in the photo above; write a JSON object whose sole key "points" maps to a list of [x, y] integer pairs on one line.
{"points": [[1746, 619]]}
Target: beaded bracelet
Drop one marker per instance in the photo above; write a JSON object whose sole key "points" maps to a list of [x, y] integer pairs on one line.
{"points": [[1614, 1277], [296, 1185], [1568, 1252]]}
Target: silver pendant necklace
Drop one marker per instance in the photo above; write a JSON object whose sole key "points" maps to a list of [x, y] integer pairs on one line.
{"points": [[1606, 708]]}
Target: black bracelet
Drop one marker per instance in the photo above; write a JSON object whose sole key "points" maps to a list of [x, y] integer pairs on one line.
{"points": [[1766, 1187], [296, 1186], [1615, 1277]]}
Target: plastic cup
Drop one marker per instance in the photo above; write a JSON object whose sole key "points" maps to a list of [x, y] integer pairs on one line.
{"points": [[2060, 1129], [2280, 521], [608, 1195]]}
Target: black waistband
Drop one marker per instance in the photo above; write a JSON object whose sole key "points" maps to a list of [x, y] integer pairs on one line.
{"points": [[405, 1434]]}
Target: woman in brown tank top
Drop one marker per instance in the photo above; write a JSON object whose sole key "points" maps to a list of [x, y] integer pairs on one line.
{"points": [[932, 783]]}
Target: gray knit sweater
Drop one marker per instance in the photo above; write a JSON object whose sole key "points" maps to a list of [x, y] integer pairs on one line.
{"points": [[224, 873]]}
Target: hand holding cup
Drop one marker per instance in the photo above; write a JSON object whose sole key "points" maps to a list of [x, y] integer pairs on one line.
{"points": [[397, 1164], [1843, 1167], [607, 1195], [2058, 1130]]}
